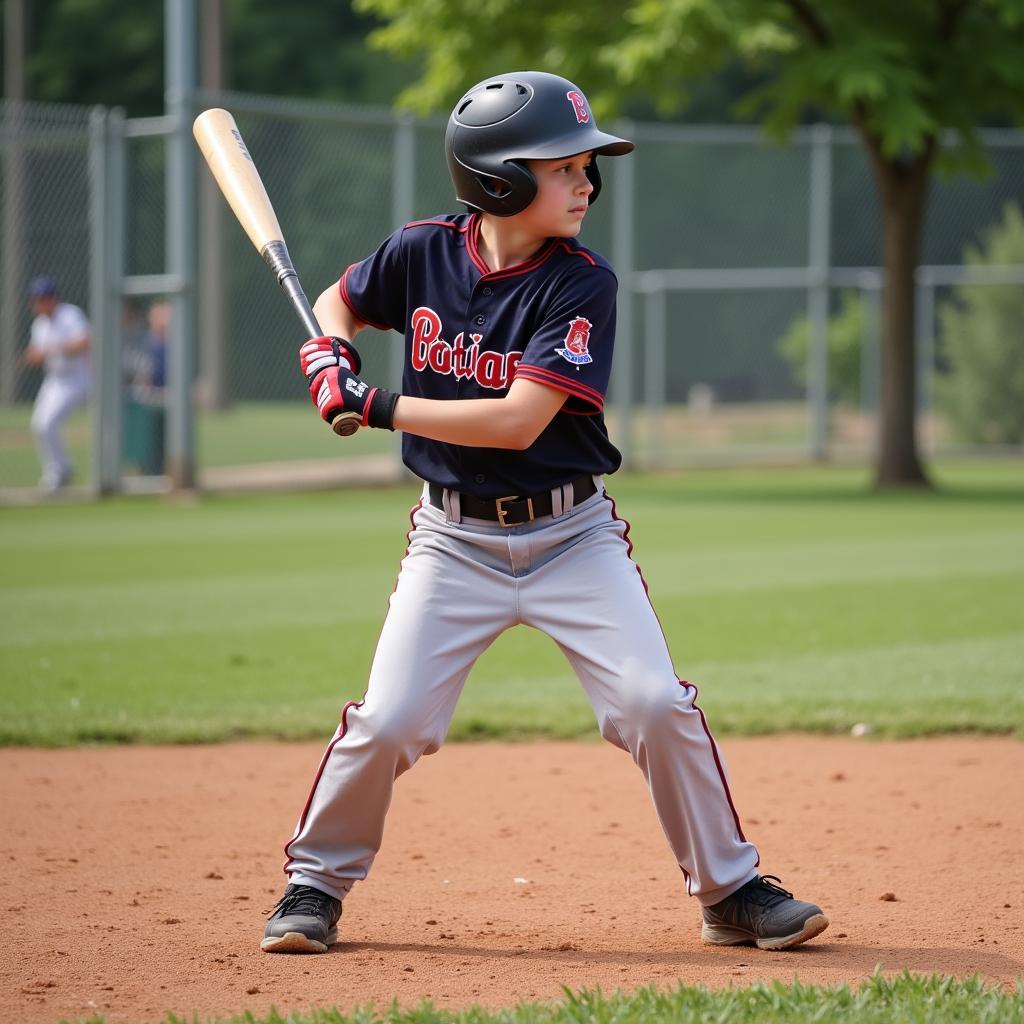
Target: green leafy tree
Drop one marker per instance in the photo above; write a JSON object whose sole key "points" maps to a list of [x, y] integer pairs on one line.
{"points": [[112, 53], [901, 72], [845, 342], [982, 332]]}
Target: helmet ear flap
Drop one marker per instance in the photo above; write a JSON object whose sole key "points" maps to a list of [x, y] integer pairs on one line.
{"points": [[594, 176], [508, 194]]}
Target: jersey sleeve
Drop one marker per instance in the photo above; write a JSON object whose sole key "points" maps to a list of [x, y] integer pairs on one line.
{"points": [[375, 288], [74, 324], [571, 350]]}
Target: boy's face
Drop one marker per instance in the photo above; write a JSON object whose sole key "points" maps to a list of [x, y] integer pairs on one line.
{"points": [[43, 305], [563, 196]]}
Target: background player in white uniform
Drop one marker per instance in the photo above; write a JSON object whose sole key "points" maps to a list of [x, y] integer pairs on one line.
{"points": [[509, 326], [59, 342]]}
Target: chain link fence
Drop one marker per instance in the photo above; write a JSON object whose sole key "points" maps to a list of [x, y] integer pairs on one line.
{"points": [[724, 245]]}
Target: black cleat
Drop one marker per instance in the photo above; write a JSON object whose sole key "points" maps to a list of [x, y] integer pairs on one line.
{"points": [[304, 921], [764, 914]]}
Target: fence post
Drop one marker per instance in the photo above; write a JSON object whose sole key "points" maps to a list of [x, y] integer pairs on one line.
{"points": [[107, 220], [623, 250], [100, 295], [403, 201], [12, 227], [179, 98], [13, 297], [870, 285], [655, 384], [211, 283], [924, 355], [819, 259]]}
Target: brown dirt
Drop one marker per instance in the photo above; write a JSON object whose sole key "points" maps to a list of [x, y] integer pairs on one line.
{"points": [[136, 879]]}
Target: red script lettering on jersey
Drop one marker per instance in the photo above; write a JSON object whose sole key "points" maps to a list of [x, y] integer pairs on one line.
{"points": [[490, 369]]}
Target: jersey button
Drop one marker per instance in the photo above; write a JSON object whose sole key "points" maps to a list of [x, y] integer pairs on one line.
{"points": [[480, 478], [480, 320], [488, 290]]}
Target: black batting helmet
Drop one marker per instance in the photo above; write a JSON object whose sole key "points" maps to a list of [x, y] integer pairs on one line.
{"points": [[509, 119]]}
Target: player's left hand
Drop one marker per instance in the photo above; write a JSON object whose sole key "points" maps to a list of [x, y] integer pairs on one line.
{"points": [[320, 353], [337, 389]]}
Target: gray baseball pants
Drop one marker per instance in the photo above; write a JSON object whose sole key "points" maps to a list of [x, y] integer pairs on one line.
{"points": [[462, 584]]}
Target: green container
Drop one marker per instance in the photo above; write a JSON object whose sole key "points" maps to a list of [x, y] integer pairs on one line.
{"points": [[144, 436]]}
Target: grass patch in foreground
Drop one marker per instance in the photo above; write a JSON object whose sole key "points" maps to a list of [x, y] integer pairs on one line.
{"points": [[880, 1000]]}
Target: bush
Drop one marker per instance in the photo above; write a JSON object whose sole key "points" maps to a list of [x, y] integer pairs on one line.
{"points": [[982, 344], [845, 338]]}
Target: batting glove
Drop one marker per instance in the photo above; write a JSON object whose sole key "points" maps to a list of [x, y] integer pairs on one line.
{"points": [[336, 390], [321, 353]]}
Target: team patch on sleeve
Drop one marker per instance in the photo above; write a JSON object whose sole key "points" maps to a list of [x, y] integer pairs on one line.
{"points": [[577, 342]]}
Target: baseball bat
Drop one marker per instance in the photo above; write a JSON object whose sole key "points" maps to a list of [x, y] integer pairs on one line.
{"points": [[225, 153]]}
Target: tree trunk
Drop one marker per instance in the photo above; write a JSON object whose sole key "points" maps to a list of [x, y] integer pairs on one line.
{"points": [[903, 188]]}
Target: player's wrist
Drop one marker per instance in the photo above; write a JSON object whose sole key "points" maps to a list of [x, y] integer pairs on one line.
{"points": [[380, 409]]}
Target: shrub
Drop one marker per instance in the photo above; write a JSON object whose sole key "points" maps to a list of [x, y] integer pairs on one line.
{"points": [[845, 339], [981, 333]]}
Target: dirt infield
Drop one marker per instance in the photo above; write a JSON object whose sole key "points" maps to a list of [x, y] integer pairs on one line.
{"points": [[137, 879]]}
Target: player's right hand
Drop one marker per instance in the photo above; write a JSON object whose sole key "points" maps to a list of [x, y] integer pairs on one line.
{"points": [[319, 354]]}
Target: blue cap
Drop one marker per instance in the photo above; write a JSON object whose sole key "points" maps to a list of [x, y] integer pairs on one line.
{"points": [[43, 287]]}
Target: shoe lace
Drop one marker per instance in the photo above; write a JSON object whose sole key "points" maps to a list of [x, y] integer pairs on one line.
{"points": [[765, 893], [304, 900]]}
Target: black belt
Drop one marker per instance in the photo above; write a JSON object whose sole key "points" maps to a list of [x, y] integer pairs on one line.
{"points": [[515, 509]]}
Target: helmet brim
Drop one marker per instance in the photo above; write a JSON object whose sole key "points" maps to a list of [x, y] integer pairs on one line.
{"points": [[569, 145]]}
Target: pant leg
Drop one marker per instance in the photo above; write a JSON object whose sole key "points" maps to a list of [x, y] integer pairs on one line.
{"points": [[57, 398], [450, 603], [593, 602]]}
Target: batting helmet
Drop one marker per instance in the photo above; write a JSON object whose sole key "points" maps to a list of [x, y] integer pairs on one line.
{"points": [[504, 121]]}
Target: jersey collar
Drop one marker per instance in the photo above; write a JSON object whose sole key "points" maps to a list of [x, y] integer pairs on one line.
{"points": [[473, 233]]}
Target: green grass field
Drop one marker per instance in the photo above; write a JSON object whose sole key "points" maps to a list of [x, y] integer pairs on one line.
{"points": [[795, 600], [906, 999], [248, 432]]}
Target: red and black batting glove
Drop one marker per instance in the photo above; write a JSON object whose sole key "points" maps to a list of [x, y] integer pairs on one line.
{"points": [[336, 390], [321, 353]]}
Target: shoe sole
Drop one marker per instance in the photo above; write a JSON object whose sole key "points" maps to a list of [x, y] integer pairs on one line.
{"points": [[721, 935], [296, 942]]}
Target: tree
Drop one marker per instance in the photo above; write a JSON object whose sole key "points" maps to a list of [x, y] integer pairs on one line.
{"points": [[112, 53], [901, 72]]}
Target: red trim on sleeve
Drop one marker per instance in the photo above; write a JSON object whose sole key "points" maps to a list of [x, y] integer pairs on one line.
{"points": [[554, 380], [347, 299]]}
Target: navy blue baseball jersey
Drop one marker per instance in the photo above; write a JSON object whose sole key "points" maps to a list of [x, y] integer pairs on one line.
{"points": [[470, 331]]}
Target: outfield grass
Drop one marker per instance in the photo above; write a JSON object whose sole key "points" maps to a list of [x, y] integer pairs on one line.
{"points": [[795, 600], [248, 432], [906, 999]]}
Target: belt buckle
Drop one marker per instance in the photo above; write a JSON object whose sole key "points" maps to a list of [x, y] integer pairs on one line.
{"points": [[503, 512]]}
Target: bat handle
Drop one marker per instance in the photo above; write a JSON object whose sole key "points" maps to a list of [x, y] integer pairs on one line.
{"points": [[275, 255], [346, 423]]}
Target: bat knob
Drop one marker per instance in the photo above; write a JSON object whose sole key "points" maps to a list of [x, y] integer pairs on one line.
{"points": [[345, 424]]}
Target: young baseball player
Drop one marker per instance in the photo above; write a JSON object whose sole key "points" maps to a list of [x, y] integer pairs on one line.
{"points": [[60, 343], [509, 324]]}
